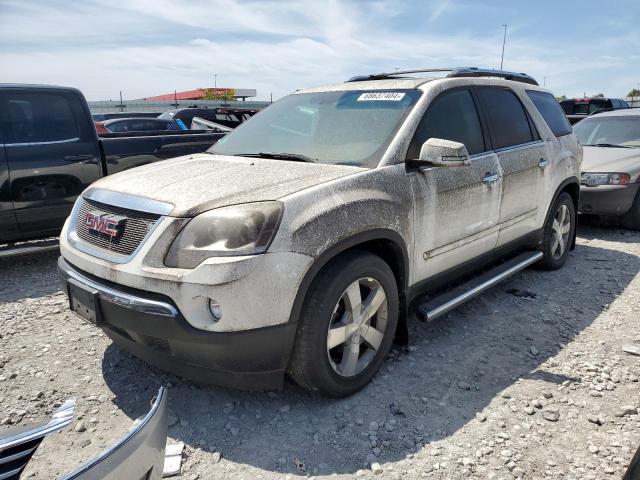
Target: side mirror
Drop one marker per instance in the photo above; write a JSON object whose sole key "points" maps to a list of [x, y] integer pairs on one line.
{"points": [[443, 153]]}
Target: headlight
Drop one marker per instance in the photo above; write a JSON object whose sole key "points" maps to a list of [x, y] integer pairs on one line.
{"points": [[237, 230], [595, 179]]}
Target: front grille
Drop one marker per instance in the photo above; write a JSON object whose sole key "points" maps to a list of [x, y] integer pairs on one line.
{"points": [[134, 229]]}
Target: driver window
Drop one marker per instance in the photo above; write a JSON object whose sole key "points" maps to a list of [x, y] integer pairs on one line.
{"points": [[451, 116]]}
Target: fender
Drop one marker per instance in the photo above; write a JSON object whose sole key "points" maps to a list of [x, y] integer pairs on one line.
{"points": [[566, 182], [342, 246]]}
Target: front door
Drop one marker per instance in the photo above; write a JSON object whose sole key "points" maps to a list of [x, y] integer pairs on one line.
{"points": [[523, 156], [456, 208], [52, 154]]}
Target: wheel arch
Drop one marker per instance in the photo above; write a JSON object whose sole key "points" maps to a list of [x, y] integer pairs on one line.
{"points": [[571, 186], [388, 245]]}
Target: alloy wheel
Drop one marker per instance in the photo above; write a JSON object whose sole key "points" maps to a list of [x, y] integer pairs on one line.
{"points": [[560, 231], [357, 327]]}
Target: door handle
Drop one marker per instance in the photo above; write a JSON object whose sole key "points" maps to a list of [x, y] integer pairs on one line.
{"points": [[490, 177], [78, 157], [543, 163]]}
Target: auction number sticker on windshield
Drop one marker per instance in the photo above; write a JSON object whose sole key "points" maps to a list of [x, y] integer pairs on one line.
{"points": [[381, 97]]}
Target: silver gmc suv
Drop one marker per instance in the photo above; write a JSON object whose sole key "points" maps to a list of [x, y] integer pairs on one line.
{"points": [[301, 241]]}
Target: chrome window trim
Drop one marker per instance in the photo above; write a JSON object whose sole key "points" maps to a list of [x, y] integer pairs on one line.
{"points": [[124, 299], [519, 146], [51, 142], [131, 202]]}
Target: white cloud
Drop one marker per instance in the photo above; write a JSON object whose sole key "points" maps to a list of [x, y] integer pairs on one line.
{"points": [[147, 47]]}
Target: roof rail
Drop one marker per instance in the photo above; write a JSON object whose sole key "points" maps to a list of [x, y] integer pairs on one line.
{"points": [[487, 72], [382, 76], [454, 73]]}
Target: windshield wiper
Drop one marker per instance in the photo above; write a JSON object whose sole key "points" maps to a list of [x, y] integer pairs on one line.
{"points": [[607, 145], [296, 157]]}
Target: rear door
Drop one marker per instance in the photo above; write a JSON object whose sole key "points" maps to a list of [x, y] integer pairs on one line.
{"points": [[8, 224], [52, 154], [456, 208], [523, 159]]}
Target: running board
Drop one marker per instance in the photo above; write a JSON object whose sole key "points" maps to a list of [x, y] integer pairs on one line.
{"points": [[447, 301], [29, 247]]}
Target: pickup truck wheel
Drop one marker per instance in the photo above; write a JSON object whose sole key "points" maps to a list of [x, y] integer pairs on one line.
{"points": [[558, 233], [347, 325]]}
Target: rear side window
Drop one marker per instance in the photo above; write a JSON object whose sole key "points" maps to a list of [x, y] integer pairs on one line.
{"points": [[41, 117], [551, 111], [567, 106], [451, 116], [596, 105], [507, 118]]}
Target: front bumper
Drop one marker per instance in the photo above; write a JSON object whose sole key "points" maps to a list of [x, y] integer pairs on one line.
{"points": [[253, 291], [152, 328], [608, 200]]}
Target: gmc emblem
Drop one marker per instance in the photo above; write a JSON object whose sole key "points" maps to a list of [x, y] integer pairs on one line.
{"points": [[110, 225]]}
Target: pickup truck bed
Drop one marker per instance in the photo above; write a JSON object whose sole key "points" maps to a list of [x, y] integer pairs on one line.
{"points": [[123, 151], [50, 152]]}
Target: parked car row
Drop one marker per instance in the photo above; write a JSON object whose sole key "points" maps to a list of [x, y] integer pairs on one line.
{"points": [[217, 119], [136, 124]]}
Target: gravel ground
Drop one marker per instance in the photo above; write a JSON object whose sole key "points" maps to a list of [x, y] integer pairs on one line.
{"points": [[528, 381]]}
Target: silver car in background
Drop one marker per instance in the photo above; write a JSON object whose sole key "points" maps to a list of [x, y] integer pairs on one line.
{"points": [[610, 183]]}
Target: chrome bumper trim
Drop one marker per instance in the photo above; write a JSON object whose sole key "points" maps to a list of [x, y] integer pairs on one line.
{"points": [[60, 419], [123, 299]]}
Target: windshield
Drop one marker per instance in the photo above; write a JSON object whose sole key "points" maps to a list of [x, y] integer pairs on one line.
{"points": [[340, 128], [623, 131], [168, 115]]}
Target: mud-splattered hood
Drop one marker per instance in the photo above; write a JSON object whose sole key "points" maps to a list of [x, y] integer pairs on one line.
{"points": [[616, 160], [201, 182]]}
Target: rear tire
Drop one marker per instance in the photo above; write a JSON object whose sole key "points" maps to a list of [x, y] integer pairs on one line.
{"points": [[558, 233], [346, 326]]}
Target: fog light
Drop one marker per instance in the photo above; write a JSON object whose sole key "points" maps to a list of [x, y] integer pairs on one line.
{"points": [[215, 310]]}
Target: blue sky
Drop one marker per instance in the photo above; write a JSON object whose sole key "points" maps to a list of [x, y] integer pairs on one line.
{"points": [[148, 47]]}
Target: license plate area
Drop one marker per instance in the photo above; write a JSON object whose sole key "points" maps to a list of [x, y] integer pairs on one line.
{"points": [[84, 301]]}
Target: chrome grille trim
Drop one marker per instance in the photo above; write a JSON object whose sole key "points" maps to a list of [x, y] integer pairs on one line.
{"points": [[135, 229], [130, 202], [138, 228]]}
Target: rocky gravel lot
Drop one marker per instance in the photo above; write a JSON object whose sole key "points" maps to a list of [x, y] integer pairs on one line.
{"points": [[528, 381]]}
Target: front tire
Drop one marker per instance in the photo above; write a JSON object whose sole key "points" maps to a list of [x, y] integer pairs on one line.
{"points": [[347, 325], [558, 233], [631, 219]]}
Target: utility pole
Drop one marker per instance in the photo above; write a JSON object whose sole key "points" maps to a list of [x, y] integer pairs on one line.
{"points": [[544, 82], [504, 40], [215, 80], [121, 106]]}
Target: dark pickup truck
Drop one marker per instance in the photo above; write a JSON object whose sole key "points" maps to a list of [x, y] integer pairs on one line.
{"points": [[578, 108], [50, 152]]}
